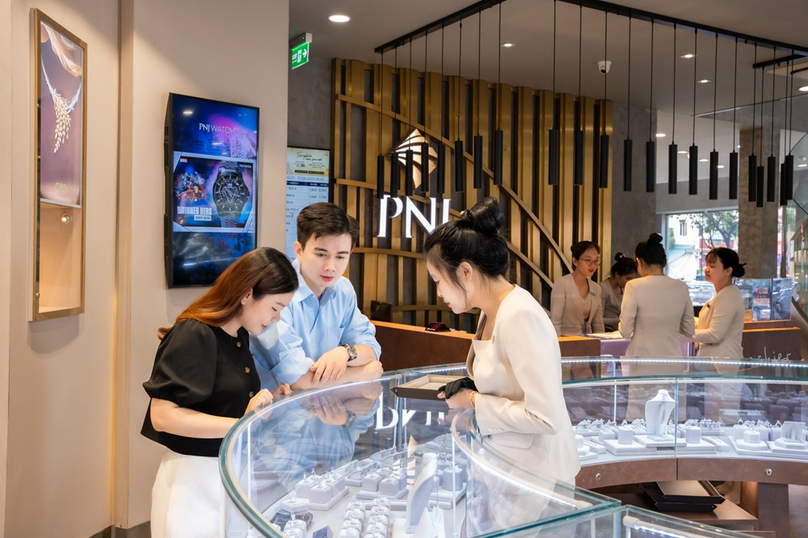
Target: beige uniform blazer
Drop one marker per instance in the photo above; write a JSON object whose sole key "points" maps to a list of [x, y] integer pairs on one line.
{"points": [[611, 302], [521, 406], [720, 326], [566, 308], [656, 310]]}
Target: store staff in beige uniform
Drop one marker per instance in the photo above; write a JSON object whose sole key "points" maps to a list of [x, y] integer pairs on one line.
{"points": [[720, 326], [515, 361], [656, 308], [623, 270], [575, 303]]}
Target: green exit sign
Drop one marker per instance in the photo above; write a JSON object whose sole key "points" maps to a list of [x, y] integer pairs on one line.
{"points": [[300, 55]]}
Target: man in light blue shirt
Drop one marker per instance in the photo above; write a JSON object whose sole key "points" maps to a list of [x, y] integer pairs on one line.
{"points": [[322, 337]]}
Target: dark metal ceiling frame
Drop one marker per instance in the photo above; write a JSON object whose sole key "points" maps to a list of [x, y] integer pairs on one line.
{"points": [[600, 6]]}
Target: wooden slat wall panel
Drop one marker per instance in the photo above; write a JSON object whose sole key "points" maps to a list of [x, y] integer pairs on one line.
{"points": [[386, 265]]}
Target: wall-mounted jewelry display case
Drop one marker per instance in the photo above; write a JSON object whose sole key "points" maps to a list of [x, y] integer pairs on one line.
{"points": [[60, 156]]}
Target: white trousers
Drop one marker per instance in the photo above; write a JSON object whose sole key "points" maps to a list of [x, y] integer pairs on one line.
{"points": [[187, 498]]}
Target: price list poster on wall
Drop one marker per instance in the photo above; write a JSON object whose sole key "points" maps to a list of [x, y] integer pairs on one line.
{"points": [[307, 181]]}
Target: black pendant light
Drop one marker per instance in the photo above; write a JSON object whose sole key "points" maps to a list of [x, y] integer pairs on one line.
{"points": [[395, 168], [460, 158], [673, 148], [650, 146], [440, 177], [752, 161], [423, 187], [771, 162], [733, 156], [578, 133], [380, 158], [714, 154], [761, 172], [789, 160], [553, 171], [409, 155], [605, 143], [693, 172], [478, 138], [498, 134], [628, 144]]}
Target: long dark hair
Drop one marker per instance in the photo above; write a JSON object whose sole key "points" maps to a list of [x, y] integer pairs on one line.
{"points": [[651, 251], [264, 271], [729, 259], [475, 237]]}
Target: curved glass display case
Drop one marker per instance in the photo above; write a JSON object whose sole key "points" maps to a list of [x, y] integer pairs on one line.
{"points": [[359, 460]]}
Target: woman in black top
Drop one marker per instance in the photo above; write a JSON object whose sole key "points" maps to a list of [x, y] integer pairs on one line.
{"points": [[203, 380]]}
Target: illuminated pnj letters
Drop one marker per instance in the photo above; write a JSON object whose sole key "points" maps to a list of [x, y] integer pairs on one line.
{"points": [[410, 210]]}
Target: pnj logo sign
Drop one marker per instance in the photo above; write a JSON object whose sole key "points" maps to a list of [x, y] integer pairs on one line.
{"points": [[410, 210]]}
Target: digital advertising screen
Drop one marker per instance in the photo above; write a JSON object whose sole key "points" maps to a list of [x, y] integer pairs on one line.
{"points": [[211, 169]]}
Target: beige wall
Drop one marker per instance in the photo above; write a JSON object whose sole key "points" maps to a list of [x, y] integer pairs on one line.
{"points": [[59, 458], [232, 51], [72, 461], [5, 242]]}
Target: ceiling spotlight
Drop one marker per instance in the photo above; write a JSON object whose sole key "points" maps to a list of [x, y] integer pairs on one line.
{"points": [[703, 160], [507, 45], [661, 135], [802, 165], [804, 88], [720, 166], [704, 81], [339, 18], [683, 152], [688, 56]]}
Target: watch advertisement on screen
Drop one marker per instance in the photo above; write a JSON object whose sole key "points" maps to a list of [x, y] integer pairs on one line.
{"points": [[211, 169]]}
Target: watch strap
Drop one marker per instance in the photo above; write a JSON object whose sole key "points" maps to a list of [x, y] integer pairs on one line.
{"points": [[352, 354]]}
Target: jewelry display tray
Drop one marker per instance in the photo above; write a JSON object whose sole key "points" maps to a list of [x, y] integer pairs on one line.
{"points": [[425, 387]]}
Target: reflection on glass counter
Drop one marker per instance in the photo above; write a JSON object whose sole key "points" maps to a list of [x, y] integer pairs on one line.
{"points": [[357, 460]]}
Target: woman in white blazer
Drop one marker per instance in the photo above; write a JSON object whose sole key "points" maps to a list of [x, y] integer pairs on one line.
{"points": [[719, 330], [656, 308], [720, 326], [575, 303], [514, 364]]}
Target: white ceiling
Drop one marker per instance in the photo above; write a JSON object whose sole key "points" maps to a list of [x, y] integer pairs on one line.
{"points": [[529, 25]]}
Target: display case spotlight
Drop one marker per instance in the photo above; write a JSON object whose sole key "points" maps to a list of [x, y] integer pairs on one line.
{"points": [[66, 218]]}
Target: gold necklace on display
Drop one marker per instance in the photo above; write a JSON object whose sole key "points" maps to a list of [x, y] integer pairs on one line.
{"points": [[62, 109]]}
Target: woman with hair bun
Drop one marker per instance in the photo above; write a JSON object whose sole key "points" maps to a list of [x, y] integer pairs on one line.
{"points": [[514, 364], [575, 303], [623, 270], [656, 308], [720, 326]]}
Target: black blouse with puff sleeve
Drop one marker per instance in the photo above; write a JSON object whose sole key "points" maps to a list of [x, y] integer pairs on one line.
{"points": [[203, 368]]}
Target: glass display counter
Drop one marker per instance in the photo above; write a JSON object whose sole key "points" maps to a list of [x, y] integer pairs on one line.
{"points": [[357, 460]]}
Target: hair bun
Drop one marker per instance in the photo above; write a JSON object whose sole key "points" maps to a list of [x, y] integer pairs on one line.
{"points": [[485, 217], [654, 239], [619, 256]]}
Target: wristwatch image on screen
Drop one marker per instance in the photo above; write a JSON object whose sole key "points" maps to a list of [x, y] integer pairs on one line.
{"points": [[230, 193]]}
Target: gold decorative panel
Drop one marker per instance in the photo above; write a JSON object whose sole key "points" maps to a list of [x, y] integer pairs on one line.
{"points": [[377, 107]]}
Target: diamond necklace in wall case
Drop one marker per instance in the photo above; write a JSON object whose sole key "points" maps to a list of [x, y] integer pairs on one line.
{"points": [[62, 110]]}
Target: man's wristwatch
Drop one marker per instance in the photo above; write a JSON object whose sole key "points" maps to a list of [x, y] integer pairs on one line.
{"points": [[352, 355], [350, 420]]}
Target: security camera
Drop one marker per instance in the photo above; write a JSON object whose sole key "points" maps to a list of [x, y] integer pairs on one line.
{"points": [[604, 66]]}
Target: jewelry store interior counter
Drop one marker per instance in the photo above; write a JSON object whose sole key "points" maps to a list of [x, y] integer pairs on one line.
{"points": [[371, 459]]}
